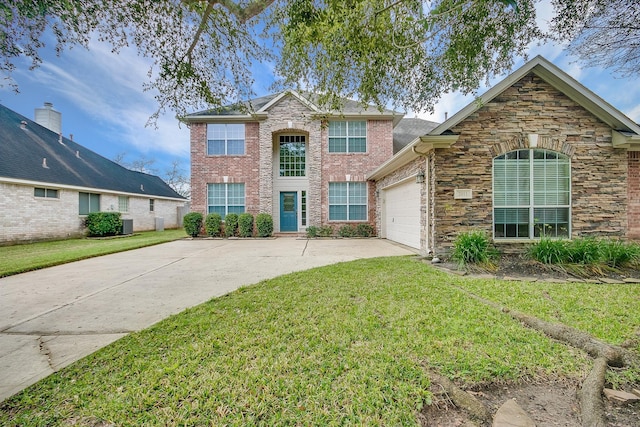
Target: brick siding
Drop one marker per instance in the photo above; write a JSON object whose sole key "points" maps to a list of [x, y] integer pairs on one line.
{"points": [[256, 167], [58, 218]]}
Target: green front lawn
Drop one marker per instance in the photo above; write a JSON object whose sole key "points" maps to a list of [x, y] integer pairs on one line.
{"points": [[347, 344], [26, 257]]}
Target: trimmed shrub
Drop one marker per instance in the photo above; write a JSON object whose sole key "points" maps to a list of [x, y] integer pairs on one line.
{"points": [[550, 251], [103, 224], [213, 225], [264, 224], [325, 231], [365, 230], [231, 225], [192, 223], [245, 225], [473, 247], [347, 231], [312, 232]]}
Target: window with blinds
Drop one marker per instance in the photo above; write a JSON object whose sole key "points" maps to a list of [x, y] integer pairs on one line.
{"points": [[531, 194]]}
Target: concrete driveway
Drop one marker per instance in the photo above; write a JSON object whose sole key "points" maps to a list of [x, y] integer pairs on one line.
{"points": [[55, 316]]}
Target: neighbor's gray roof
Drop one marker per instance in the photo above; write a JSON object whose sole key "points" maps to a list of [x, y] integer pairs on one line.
{"points": [[408, 129], [22, 152], [256, 105]]}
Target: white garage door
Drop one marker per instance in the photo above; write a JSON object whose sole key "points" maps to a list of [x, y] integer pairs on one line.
{"points": [[402, 213]]}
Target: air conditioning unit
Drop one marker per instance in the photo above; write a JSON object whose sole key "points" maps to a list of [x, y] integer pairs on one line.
{"points": [[127, 226]]}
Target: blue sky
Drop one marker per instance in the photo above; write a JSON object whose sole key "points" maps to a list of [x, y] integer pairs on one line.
{"points": [[103, 105]]}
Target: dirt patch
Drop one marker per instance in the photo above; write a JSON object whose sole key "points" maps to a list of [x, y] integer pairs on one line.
{"points": [[522, 267], [547, 404]]}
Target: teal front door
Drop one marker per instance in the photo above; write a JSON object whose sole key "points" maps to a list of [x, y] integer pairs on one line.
{"points": [[288, 211]]}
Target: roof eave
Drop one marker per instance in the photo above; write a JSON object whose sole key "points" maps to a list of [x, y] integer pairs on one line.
{"points": [[58, 185], [232, 118], [420, 146], [625, 140], [558, 79]]}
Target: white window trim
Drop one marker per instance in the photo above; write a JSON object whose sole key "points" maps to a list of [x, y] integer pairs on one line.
{"points": [[226, 196], [46, 190], [348, 204], [531, 207], [348, 137], [226, 141]]}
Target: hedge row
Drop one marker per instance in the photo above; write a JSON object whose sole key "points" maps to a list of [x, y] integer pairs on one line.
{"points": [[234, 225]]}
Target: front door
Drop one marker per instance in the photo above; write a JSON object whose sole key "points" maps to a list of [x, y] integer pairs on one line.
{"points": [[288, 211]]}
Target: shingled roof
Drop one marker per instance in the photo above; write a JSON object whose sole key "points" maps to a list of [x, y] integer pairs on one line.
{"points": [[257, 106], [31, 152], [408, 129]]}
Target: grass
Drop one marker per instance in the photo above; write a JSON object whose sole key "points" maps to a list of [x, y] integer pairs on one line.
{"points": [[347, 344], [26, 257]]}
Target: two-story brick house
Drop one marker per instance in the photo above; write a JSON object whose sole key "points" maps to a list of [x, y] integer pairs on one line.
{"points": [[538, 154], [289, 158]]}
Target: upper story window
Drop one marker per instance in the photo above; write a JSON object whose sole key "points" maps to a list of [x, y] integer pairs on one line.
{"points": [[48, 193], [225, 139], [123, 204], [348, 137], [347, 201], [89, 202], [152, 204], [293, 157], [531, 194]]}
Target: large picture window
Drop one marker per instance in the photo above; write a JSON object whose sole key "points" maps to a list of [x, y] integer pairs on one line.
{"points": [[225, 198], [225, 139], [531, 194], [348, 137], [347, 201], [293, 157], [89, 202]]}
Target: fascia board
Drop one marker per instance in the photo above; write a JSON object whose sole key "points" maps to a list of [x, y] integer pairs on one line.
{"points": [[237, 118], [56, 185], [418, 147], [293, 93], [558, 79]]}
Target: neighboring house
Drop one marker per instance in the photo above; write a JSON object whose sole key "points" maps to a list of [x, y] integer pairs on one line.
{"points": [[48, 183], [289, 158], [537, 155]]}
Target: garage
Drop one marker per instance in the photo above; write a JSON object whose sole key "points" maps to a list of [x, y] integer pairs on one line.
{"points": [[401, 213]]}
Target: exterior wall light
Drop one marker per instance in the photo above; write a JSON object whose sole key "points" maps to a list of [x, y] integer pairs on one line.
{"points": [[420, 178]]}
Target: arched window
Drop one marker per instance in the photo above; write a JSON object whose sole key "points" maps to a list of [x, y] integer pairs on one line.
{"points": [[531, 194]]}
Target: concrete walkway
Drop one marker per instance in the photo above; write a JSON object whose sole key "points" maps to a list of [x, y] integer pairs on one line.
{"points": [[55, 316]]}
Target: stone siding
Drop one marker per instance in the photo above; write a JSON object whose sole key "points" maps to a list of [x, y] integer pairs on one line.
{"points": [[530, 106]]}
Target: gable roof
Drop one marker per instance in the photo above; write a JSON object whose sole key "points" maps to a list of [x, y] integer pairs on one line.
{"points": [[258, 108], [625, 131], [560, 80], [23, 153]]}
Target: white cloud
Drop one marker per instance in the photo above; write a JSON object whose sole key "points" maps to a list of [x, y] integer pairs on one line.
{"points": [[108, 88]]}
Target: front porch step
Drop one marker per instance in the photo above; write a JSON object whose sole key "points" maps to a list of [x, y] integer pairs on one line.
{"points": [[295, 234]]}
